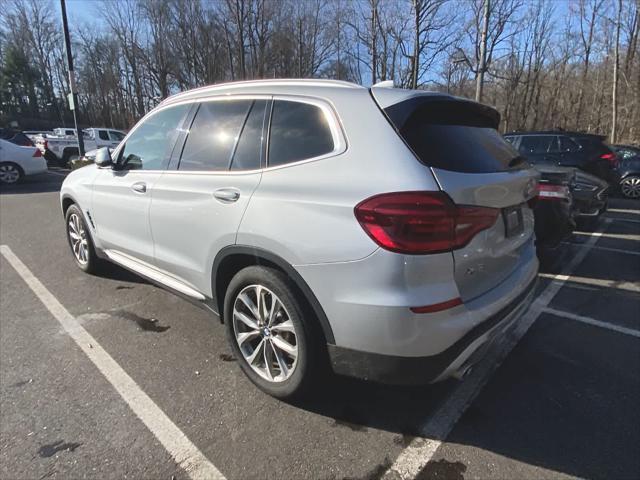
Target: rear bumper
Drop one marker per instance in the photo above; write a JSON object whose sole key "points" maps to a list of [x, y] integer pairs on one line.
{"points": [[34, 166], [398, 370]]}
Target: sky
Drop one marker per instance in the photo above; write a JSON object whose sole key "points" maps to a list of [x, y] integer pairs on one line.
{"points": [[93, 10]]}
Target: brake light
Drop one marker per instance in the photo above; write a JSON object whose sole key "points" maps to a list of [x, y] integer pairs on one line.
{"points": [[611, 158], [552, 192], [37, 153], [421, 222], [46, 144]]}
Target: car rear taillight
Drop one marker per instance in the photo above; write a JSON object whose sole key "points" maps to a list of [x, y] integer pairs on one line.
{"points": [[421, 222], [37, 153], [46, 144], [553, 192], [611, 158]]}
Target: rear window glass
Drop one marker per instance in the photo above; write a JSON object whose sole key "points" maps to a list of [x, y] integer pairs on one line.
{"points": [[455, 136], [298, 131]]}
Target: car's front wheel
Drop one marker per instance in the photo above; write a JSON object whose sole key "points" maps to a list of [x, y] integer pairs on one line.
{"points": [[80, 241], [276, 346], [630, 186]]}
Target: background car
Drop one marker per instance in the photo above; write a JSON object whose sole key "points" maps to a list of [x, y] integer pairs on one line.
{"points": [[553, 208], [34, 134], [551, 152], [16, 137], [16, 161], [629, 170], [585, 151]]}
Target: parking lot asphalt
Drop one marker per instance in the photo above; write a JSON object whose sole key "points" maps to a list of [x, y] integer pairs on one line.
{"points": [[562, 404]]}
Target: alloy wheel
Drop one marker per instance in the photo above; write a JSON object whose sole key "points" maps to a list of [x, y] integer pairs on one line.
{"points": [[9, 173], [630, 187], [265, 333], [78, 238]]}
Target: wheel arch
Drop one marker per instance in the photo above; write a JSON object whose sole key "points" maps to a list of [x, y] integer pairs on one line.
{"points": [[66, 201], [232, 259]]}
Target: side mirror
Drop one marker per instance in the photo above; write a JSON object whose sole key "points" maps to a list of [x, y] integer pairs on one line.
{"points": [[103, 157]]}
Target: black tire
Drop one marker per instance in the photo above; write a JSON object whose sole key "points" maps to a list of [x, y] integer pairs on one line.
{"points": [[308, 338], [10, 173], [93, 263], [67, 155]]}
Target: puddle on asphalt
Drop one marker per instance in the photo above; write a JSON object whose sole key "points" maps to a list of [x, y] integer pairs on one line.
{"points": [[49, 450], [442, 469], [146, 324]]}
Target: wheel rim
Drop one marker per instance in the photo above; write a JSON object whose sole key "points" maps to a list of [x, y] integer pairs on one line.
{"points": [[265, 333], [631, 187], [9, 174], [78, 239]]}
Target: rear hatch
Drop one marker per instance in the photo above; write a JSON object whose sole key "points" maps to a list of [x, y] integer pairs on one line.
{"points": [[475, 166]]}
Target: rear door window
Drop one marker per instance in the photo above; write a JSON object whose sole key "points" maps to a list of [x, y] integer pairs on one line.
{"points": [[214, 135], [568, 145], [538, 144], [103, 135], [453, 135], [298, 131]]}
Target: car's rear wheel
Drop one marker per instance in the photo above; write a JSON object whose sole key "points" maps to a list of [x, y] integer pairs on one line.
{"points": [[269, 334], [10, 173], [80, 241], [630, 186]]}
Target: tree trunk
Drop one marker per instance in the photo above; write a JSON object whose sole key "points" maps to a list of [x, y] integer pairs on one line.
{"points": [[483, 52]]}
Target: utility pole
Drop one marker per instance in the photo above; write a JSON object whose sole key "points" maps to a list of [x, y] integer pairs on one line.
{"points": [[73, 97], [616, 67], [483, 52]]}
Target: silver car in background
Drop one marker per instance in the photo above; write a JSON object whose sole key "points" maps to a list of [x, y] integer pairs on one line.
{"points": [[383, 232]]}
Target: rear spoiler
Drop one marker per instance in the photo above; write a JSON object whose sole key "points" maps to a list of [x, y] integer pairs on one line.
{"points": [[443, 110]]}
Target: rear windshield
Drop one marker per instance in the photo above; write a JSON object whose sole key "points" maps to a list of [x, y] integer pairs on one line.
{"points": [[454, 135]]}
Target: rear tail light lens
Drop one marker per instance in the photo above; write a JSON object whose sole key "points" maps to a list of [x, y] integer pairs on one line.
{"points": [[421, 222], [552, 192], [37, 153], [46, 144], [438, 307], [611, 158]]}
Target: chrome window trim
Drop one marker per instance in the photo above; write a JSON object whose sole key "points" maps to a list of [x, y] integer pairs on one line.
{"points": [[340, 143]]}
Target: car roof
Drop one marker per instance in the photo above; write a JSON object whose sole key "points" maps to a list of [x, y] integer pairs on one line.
{"points": [[279, 86], [558, 132]]}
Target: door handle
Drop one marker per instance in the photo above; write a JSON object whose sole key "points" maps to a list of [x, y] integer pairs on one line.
{"points": [[139, 187], [227, 195]]}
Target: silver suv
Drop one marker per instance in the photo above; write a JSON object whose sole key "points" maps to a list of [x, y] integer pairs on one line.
{"points": [[383, 232]]}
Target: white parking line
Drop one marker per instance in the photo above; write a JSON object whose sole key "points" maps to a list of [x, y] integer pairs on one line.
{"points": [[605, 249], [616, 236], [593, 321], [623, 210], [421, 450], [598, 282], [185, 453]]}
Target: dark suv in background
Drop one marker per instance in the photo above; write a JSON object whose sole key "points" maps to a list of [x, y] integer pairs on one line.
{"points": [[594, 164], [585, 151]]}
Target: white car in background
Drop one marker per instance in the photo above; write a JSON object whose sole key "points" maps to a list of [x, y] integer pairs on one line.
{"points": [[62, 147], [17, 161]]}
